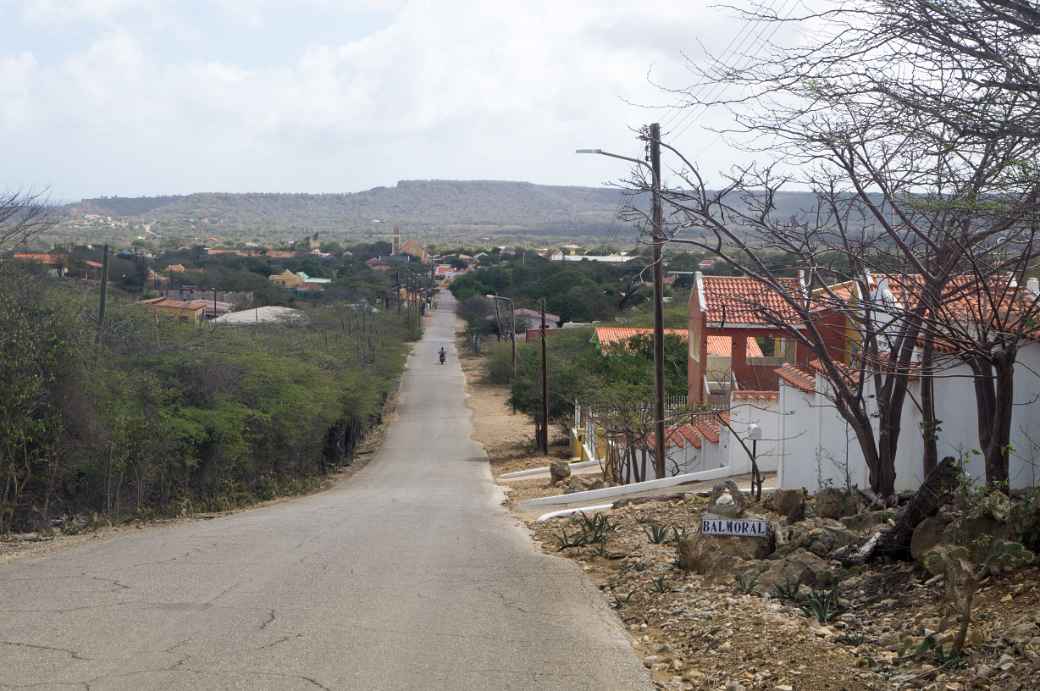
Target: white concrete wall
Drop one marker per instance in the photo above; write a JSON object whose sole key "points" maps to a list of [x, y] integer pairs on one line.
{"points": [[838, 457], [816, 442], [1025, 425], [765, 414], [798, 439]]}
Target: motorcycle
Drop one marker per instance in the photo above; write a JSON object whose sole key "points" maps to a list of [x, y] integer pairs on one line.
{"points": [[442, 356]]}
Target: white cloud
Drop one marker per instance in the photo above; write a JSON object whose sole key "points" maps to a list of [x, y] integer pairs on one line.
{"points": [[49, 11], [446, 89]]}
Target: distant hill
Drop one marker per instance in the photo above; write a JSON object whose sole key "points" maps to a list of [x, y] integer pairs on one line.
{"points": [[420, 207], [437, 210]]}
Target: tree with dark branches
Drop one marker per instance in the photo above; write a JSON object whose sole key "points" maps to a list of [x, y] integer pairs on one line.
{"points": [[914, 125], [22, 215]]}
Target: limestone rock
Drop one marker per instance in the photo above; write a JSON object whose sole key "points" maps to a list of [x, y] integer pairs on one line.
{"points": [[801, 567], [727, 500], [720, 555], [789, 503], [927, 535], [975, 533], [836, 503], [824, 540], [559, 470], [819, 535], [867, 521]]}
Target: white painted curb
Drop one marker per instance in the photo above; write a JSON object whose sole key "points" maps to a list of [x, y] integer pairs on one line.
{"points": [[570, 512], [544, 470], [634, 488]]}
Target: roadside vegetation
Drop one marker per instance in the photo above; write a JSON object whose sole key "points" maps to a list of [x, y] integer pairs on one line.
{"points": [[576, 291], [166, 418]]}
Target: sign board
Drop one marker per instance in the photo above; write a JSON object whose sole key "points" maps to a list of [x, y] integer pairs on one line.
{"points": [[737, 527]]}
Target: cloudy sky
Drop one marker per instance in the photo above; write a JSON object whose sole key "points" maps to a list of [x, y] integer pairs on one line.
{"points": [[133, 97]]}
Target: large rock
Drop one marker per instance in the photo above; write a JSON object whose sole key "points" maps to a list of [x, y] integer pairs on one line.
{"points": [[836, 503], [826, 539], [727, 500], [867, 521], [559, 471], [711, 554], [818, 535], [789, 503], [801, 567], [975, 533], [927, 535]]}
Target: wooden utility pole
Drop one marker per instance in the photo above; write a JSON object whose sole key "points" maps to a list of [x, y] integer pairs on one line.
{"points": [[103, 297], [543, 442], [512, 319], [659, 412]]}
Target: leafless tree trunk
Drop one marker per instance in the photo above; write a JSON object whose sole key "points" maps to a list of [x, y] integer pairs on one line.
{"points": [[22, 215]]}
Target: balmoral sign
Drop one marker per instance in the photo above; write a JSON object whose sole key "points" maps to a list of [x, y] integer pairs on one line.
{"points": [[739, 527]]}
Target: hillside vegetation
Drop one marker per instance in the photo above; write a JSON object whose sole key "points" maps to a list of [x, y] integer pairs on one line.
{"points": [[167, 418], [433, 210], [441, 208]]}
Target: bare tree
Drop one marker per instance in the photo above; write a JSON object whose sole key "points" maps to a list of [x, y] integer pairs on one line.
{"points": [[22, 215], [915, 127]]}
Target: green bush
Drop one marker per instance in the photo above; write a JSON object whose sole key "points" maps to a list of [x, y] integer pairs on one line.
{"points": [[165, 417]]}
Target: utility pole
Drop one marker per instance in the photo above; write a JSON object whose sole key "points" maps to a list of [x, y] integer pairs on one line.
{"points": [[654, 135], [659, 413], [104, 295], [544, 440], [512, 330]]}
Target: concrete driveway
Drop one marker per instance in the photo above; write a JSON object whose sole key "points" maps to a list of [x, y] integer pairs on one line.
{"points": [[409, 575]]}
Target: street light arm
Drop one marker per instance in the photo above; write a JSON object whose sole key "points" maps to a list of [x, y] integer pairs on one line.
{"points": [[601, 152]]}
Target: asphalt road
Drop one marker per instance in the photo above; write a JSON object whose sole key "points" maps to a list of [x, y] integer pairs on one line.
{"points": [[409, 575]]}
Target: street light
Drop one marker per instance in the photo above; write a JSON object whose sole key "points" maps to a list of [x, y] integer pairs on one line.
{"points": [[658, 235]]}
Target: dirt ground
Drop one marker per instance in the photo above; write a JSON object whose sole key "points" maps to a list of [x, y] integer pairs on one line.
{"points": [[695, 632], [507, 437]]}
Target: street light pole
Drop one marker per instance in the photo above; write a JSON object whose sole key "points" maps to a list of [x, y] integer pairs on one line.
{"points": [[659, 413], [658, 242]]}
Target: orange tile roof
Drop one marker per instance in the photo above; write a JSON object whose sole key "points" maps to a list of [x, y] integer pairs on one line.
{"points": [[722, 346], [612, 335], [796, 377], [741, 300], [40, 258], [175, 304], [703, 427], [709, 427], [750, 395]]}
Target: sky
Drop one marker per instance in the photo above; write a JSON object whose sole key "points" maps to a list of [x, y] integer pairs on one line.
{"points": [[144, 97]]}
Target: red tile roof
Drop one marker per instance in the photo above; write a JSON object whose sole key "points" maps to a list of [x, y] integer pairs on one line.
{"points": [[796, 377], [722, 346], [176, 304], [703, 427], [740, 300], [613, 335], [750, 395], [40, 258]]}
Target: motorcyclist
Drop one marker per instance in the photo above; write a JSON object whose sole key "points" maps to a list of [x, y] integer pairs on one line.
{"points": [[443, 354]]}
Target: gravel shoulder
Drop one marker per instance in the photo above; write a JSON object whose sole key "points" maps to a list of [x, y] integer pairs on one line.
{"points": [[706, 632]]}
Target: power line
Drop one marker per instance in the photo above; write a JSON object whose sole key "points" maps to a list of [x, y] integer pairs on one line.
{"points": [[670, 120], [746, 58], [776, 26]]}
